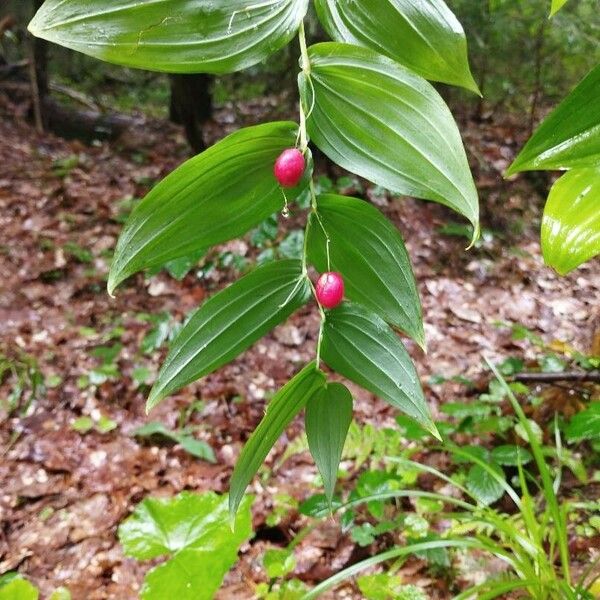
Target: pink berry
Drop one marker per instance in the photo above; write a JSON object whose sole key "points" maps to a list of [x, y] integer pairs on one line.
{"points": [[289, 167], [330, 289]]}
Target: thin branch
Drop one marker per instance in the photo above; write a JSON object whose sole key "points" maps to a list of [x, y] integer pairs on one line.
{"points": [[579, 376]]}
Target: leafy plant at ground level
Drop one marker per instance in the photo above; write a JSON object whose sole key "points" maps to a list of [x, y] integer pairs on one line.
{"points": [[25, 380], [586, 424], [13, 586], [384, 586], [532, 542], [183, 437], [196, 534]]}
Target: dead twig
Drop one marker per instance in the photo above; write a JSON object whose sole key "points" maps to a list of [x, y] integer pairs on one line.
{"points": [[578, 376], [75, 95]]}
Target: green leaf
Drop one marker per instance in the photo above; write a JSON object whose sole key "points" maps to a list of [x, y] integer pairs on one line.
{"points": [[190, 575], [570, 136], [18, 589], [160, 526], [61, 593], [424, 36], [284, 406], [535, 429], [483, 485], [556, 6], [379, 120], [360, 346], [571, 222], [585, 425], [176, 36], [197, 448], [370, 253], [278, 563], [178, 268], [230, 322], [213, 197], [6, 578], [511, 456], [383, 586], [196, 529], [328, 417], [82, 424]]}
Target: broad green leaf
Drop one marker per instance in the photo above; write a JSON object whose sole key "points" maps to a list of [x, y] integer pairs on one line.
{"points": [[585, 425], [230, 322], [361, 346], [424, 36], [570, 136], [196, 530], [213, 197], [190, 575], [511, 456], [483, 485], [379, 120], [6, 578], [556, 6], [160, 526], [283, 407], [176, 36], [18, 589], [571, 222], [61, 593], [370, 253], [328, 417]]}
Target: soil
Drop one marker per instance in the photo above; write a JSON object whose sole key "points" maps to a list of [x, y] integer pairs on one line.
{"points": [[63, 493]]}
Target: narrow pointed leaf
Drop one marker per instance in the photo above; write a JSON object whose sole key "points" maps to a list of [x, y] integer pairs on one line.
{"points": [[556, 6], [284, 406], [213, 197], [177, 36], [570, 136], [571, 222], [370, 253], [379, 120], [424, 36], [230, 322], [328, 417], [361, 346]]}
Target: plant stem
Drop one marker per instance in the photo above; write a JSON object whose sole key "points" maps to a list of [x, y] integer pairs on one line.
{"points": [[305, 63], [303, 49]]}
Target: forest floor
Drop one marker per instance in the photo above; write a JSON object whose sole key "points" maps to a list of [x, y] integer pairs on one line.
{"points": [[64, 492]]}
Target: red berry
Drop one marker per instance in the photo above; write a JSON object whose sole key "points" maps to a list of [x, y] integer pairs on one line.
{"points": [[330, 289], [289, 167]]}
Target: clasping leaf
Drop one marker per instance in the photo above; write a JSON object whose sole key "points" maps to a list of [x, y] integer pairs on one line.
{"points": [[212, 198], [230, 322], [283, 407], [381, 121], [328, 417], [362, 347], [176, 36]]}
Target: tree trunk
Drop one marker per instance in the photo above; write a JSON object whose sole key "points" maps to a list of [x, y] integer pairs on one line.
{"points": [[191, 106], [38, 75], [538, 67]]}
